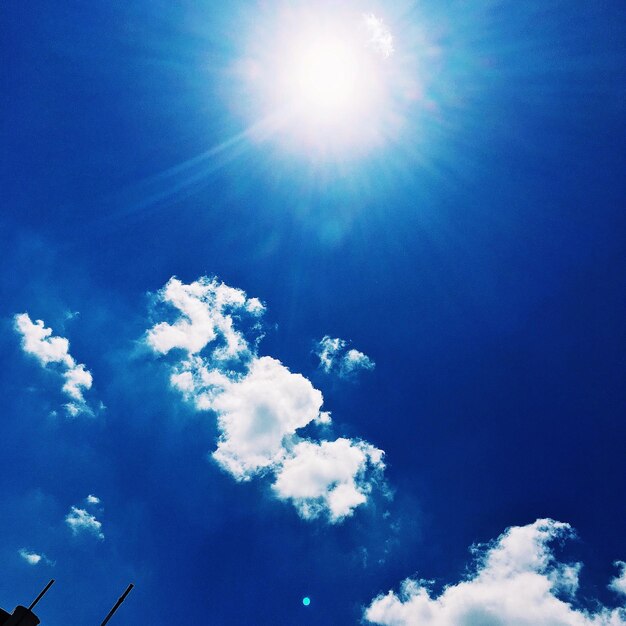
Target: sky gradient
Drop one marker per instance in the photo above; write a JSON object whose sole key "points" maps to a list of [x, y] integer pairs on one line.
{"points": [[279, 361]]}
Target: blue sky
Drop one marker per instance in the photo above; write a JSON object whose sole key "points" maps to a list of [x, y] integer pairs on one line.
{"points": [[458, 225]]}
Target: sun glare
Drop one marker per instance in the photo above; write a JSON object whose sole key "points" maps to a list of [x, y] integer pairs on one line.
{"points": [[322, 79]]}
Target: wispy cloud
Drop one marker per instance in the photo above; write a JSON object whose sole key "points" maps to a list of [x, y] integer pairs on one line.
{"points": [[81, 521], [50, 350], [516, 580], [379, 36], [336, 358], [33, 558], [260, 405]]}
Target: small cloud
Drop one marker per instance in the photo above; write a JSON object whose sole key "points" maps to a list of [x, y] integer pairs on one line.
{"points": [[335, 358], [618, 584], [323, 419], [80, 521], [355, 360], [379, 36], [32, 558], [93, 499], [38, 341]]}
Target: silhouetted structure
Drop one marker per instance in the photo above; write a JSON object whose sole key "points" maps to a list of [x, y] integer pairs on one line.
{"points": [[117, 604], [23, 616]]}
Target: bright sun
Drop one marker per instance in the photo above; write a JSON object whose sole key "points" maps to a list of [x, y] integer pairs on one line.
{"points": [[321, 80], [325, 77]]}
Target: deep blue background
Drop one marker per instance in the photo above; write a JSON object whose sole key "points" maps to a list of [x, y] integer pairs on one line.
{"points": [[479, 261]]}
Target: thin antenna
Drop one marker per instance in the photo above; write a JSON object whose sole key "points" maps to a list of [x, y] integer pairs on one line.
{"points": [[41, 595], [117, 604]]}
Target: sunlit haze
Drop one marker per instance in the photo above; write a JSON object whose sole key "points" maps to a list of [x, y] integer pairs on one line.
{"points": [[322, 79]]}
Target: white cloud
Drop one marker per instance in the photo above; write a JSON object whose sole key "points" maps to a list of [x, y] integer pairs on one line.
{"points": [[80, 521], [324, 418], [32, 558], [379, 36], [91, 499], [257, 414], [327, 350], [355, 360], [259, 403], [618, 584], [328, 478], [198, 381], [38, 341], [517, 582], [208, 309], [335, 358]]}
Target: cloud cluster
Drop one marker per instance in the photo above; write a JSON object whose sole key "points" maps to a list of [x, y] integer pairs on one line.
{"points": [[336, 358], [517, 581], [81, 521], [259, 403], [49, 350]]}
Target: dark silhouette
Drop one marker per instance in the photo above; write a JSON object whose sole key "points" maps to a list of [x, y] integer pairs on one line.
{"points": [[23, 616], [118, 603]]}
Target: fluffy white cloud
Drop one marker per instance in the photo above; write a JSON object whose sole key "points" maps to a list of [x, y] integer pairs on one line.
{"points": [[379, 36], [618, 584], [81, 521], [335, 358], [207, 312], [328, 478], [38, 341], [76, 380], [91, 499], [259, 403], [517, 582], [258, 413]]}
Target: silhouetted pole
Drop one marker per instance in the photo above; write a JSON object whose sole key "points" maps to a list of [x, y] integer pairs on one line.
{"points": [[21, 615], [41, 595], [117, 604]]}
